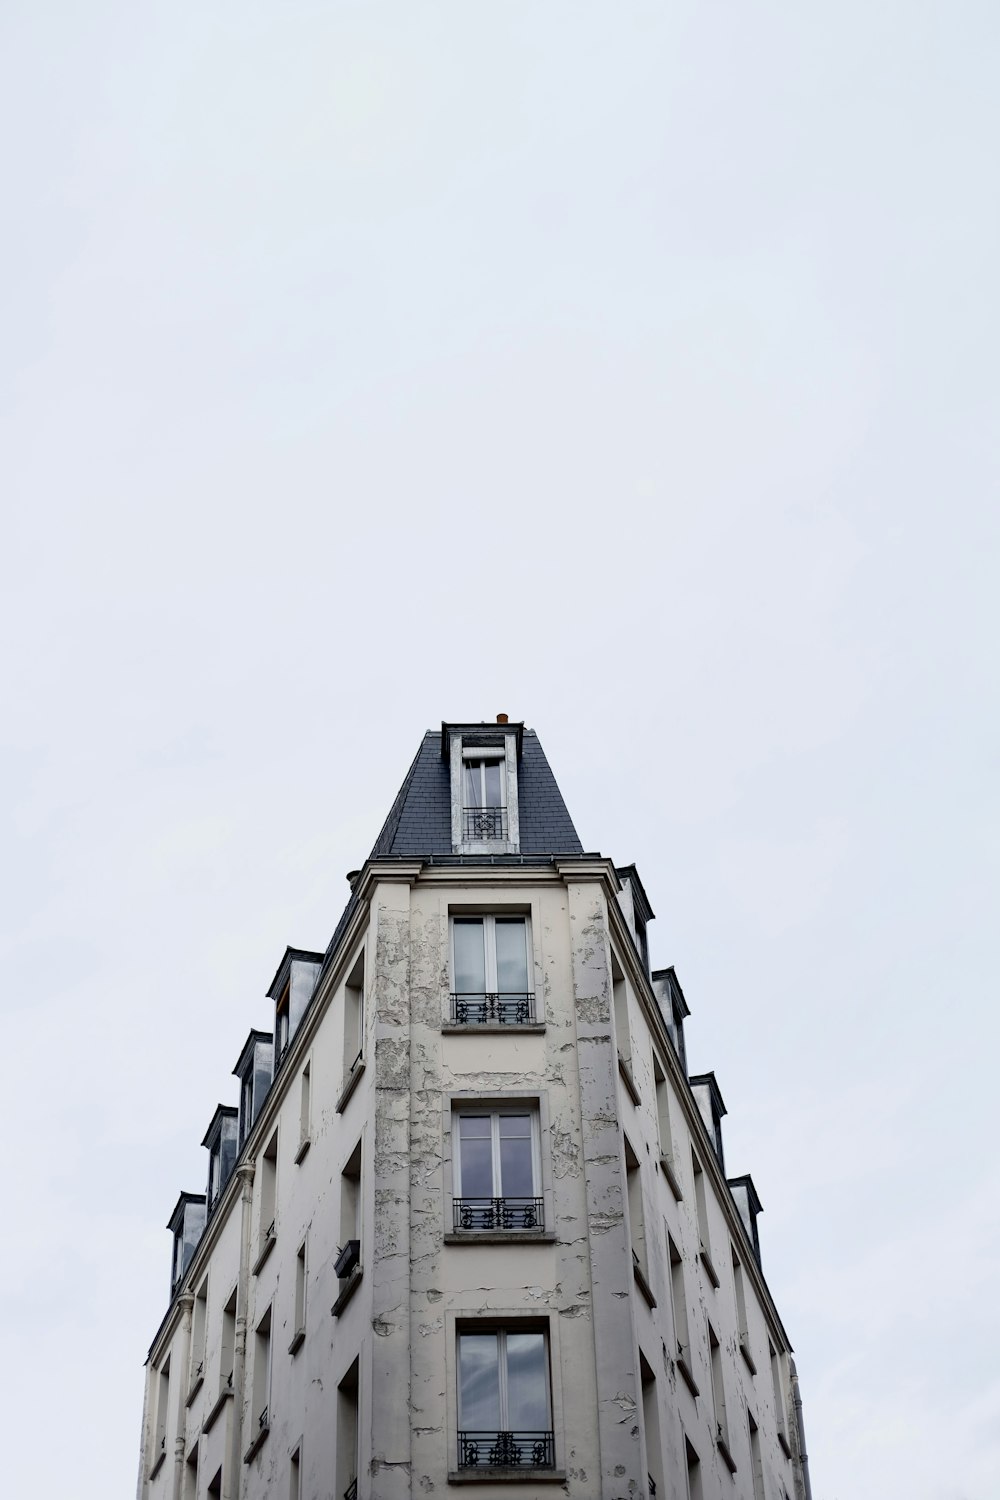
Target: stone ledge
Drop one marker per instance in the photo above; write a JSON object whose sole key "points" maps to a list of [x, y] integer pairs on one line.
{"points": [[500, 1237], [507, 1476]]}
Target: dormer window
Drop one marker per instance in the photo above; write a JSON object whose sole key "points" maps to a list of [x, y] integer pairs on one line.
{"points": [[711, 1108], [186, 1224], [484, 801], [483, 763], [255, 1070], [291, 990], [221, 1141]]}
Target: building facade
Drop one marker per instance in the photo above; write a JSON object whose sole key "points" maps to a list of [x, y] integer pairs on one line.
{"points": [[470, 1222]]}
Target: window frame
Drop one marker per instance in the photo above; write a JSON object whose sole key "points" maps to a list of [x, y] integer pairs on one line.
{"points": [[511, 1320], [465, 748], [491, 994], [495, 1114], [533, 1102]]}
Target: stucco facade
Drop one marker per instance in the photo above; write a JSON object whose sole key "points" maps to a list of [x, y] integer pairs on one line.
{"points": [[359, 1315]]}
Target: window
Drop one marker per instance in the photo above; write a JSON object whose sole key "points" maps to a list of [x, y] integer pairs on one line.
{"points": [[268, 1199], [282, 1019], [695, 1491], [497, 1174], [255, 1070], [636, 1220], [191, 1475], [756, 1466], [348, 1262], [295, 1476], [719, 1399], [484, 797], [623, 1039], [491, 967], [678, 1300], [300, 1299], [260, 1401], [347, 1434], [778, 1386], [162, 1402], [701, 1203], [305, 1111], [354, 1018], [651, 1425], [504, 1408], [199, 1324], [215, 1485], [741, 1314], [228, 1344], [666, 1133]]}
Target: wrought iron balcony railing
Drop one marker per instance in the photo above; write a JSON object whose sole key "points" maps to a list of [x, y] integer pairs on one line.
{"points": [[351, 1493], [480, 824], [481, 1008], [498, 1213], [506, 1450]]}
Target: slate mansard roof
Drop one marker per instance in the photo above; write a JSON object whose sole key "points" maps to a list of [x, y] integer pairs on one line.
{"points": [[419, 822]]}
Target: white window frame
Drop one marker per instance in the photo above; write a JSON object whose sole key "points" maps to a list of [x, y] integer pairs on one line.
{"points": [[501, 1331], [494, 1115], [506, 754], [490, 977]]}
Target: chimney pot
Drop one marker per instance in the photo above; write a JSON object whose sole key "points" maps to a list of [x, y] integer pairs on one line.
{"points": [[501, 718]]}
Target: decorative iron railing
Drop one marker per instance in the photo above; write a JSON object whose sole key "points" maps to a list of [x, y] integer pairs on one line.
{"points": [[481, 1008], [484, 823], [498, 1213], [506, 1450], [351, 1493], [262, 1419], [651, 1486]]}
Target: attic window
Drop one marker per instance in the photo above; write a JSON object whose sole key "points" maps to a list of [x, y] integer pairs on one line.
{"points": [[484, 802]]}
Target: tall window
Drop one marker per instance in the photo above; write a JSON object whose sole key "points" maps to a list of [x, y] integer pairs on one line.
{"points": [[228, 1344], [354, 1017], [268, 1196], [199, 1326], [701, 1205], [741, 1314], [491, 969], [262, 1375], [778, 1386], [636, 1217], [347, 1435], [497, 1170], [719, 1398], [300, 1299], [756, 1466], [678, 1302], [651, 1426], [484, 799], [162, 1402], [504, 1410]]}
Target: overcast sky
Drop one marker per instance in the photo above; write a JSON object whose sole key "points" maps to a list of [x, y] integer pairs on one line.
{"points": [[629, 368]]}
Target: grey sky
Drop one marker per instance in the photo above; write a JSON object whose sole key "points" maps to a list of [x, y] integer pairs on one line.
{"points": [[627, 368]]}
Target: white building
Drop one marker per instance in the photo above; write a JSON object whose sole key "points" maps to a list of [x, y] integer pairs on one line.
{"points": [[470, 1222]]}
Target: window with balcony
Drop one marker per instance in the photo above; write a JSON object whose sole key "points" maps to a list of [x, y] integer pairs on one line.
{"points": [[299, 1319], [719, 1400], [261, 1390], [354, 1029], [491, 971], [504, 1401], [347, 1435], [497, 1170], [483, 762], [268, 1173], [678, 1303], [484, 799], [199, 1331], [348, 1262]]}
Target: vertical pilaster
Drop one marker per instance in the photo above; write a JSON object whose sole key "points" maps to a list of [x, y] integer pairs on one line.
{"points": [[389, 1411], [618, 1401]]}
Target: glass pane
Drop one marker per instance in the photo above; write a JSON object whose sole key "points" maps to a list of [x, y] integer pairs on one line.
{"points": [[473, 784], [512, 958], [477, 1156], [470, 959], [478, 1382], [493, 797], [515, 1156], [527, 1384]]}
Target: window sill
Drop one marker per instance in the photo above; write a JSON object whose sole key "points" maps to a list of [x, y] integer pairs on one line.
{"points": [[747, 1358], [297, 1341], [507, 1476], [348, 1292], [209, 1422], [727, 1457], [265, 1251], [500, 1237], [350, 1085], [195, 1388], [161, 1459], [628, 1080], [257, 1444], [495, 1028], [303, 1150], [783, 1441], [671, 1176], [710, 1270], [689, 1379], [643, 1284]]}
